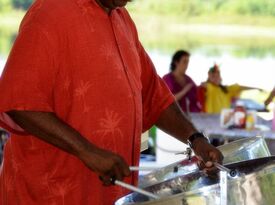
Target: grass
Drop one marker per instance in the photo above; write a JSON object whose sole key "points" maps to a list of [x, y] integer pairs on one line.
{"points": [[252, 34], [165, 34], [244, 12], [212, 19], [163, 25]]}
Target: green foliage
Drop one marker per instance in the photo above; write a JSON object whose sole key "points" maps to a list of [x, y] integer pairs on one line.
{"points": [[5, 5], [209, 45], [203, 7], [6, 39], [22, 4], [182, 7], [241, 27], [251, 7]]}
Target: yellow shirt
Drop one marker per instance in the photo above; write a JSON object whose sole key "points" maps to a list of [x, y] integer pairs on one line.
{"points": [[217, 99]]}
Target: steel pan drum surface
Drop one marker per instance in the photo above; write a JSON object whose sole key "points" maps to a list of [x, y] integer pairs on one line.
{"points": [[239, 150], [244, 149], [253, 186]]}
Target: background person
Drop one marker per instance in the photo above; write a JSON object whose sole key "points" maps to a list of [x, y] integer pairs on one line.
{"points": [[217, 95], [181, 85]]}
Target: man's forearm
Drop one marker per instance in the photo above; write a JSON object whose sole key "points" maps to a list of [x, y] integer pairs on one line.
{"points": [[249, 88], [47, 127], [174, 122]]}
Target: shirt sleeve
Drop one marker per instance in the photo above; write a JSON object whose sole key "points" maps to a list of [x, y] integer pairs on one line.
{"points": [[234, 90], [28, 78], [155, 93]]}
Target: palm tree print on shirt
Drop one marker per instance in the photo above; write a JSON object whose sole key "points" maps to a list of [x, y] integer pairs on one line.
{"points": [[110, 128], [63, 188], [81, 92]]}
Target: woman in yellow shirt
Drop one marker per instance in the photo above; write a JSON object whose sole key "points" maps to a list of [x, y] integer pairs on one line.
{"points": [[218, 96]]}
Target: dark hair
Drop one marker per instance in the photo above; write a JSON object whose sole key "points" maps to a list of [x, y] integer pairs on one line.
{"points": [[176, 58], [215, 69]]}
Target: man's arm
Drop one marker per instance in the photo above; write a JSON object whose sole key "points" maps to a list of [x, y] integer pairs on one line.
{"points": [[270, 97], [249, 88], [49, 128], [173, 121]]}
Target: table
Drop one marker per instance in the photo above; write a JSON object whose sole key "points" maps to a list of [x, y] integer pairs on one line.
{"points": [[210, 125]]}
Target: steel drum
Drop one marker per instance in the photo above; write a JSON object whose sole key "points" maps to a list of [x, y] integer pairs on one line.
{"points": [[253, 185], [244, 149], [239, 150]]}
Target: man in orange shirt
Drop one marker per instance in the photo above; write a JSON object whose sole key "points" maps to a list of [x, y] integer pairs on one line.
{"points": [[79, 90]]}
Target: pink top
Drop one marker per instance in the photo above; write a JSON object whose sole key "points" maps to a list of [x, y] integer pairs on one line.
{"points": [[189, 102]]}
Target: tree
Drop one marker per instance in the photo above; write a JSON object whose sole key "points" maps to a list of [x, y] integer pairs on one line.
{"points": [[21, 4]]}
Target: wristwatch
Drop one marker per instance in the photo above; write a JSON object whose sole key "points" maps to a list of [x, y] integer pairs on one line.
{"points": [[194, 136]]}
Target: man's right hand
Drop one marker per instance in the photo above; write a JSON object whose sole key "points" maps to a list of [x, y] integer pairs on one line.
{"points": [[108, 165]]}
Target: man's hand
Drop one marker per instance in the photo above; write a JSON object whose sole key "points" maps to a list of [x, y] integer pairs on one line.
{"points": [[108, 165], [173, 121], [207, 154]]}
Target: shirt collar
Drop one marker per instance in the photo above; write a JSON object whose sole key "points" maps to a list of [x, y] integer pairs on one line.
{"points": [[84, 3]]}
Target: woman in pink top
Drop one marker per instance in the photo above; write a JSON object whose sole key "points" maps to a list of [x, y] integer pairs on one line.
{"points": [[181, 85]]}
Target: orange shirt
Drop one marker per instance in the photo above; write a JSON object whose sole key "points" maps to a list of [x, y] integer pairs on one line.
{"points": [[88, 67]]}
